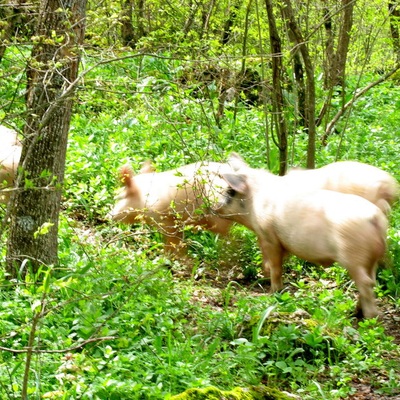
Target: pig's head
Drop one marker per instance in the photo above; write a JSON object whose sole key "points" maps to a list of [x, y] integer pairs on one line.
{"points": [[247, 192], [129, 202], [233, 199]]}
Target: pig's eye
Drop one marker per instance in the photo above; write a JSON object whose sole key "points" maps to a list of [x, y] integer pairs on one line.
{"points": [[231, 192]]}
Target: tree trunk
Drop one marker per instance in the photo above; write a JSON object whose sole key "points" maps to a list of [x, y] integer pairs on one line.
{"points": [[52, 69], [336, 61], [329, 48], [6, 14], [343, 43], [277, 94], [141, 18], [229, 23], [205, 17], [394, 15], [191, 17], [127, 32], [299, 80], [310, 87]]}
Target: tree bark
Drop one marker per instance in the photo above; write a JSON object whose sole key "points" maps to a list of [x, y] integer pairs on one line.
{"points": [[229, 23], [6, 14], [35, 205], [336, 61], [205, 17], [191, 17], [127, 32], [343, 43], [277, 94], [141, 18], [298, 71], [350, 103], [287, 11], [329, 46], [394, 15]]}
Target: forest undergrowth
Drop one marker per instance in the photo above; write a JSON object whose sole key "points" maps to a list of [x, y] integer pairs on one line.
{"points": [[116, 319]]}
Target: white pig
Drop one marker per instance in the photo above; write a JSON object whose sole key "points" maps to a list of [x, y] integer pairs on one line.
{"points": [[372, 183], [320, 226], [10, 153], [170, 200]]}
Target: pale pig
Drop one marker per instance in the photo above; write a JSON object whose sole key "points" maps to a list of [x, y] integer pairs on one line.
{"points": [[320, 226], [171, 200], [10, 153], [372, 183]]}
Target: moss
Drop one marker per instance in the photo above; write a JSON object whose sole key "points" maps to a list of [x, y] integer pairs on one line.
{"points": [[212, 393]]}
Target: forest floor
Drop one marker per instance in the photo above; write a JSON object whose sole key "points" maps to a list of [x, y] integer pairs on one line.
{"points": [[390, 318], [364, 389]]}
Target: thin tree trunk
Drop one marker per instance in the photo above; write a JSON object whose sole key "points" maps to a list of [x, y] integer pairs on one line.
{"points": [[206, 15], [141, 30], [394, 15], [343, 43], [127, 32], [244, 52], [301, 89], [310, 87], [229, 23], [15, 13], [299, 79], [350, 103], [277, 94], [192, 14], [329, 48], [6, 14], [35, 205], [335, 63]]}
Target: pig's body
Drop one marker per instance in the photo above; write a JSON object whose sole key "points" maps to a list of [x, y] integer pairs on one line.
{"points": [[320, 226], [170, 200], [372, 183], [10, 153]]}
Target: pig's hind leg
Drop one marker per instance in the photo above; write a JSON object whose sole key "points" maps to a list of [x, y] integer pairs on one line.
{"points": [[364, 277]]}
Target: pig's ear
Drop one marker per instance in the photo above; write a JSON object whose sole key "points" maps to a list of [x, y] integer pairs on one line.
{"points": [[147, 167], [126, 176], [236, 161], [236, 182]]}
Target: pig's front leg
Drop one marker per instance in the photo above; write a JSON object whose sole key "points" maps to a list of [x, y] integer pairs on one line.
{"points": [[272, 254]]}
